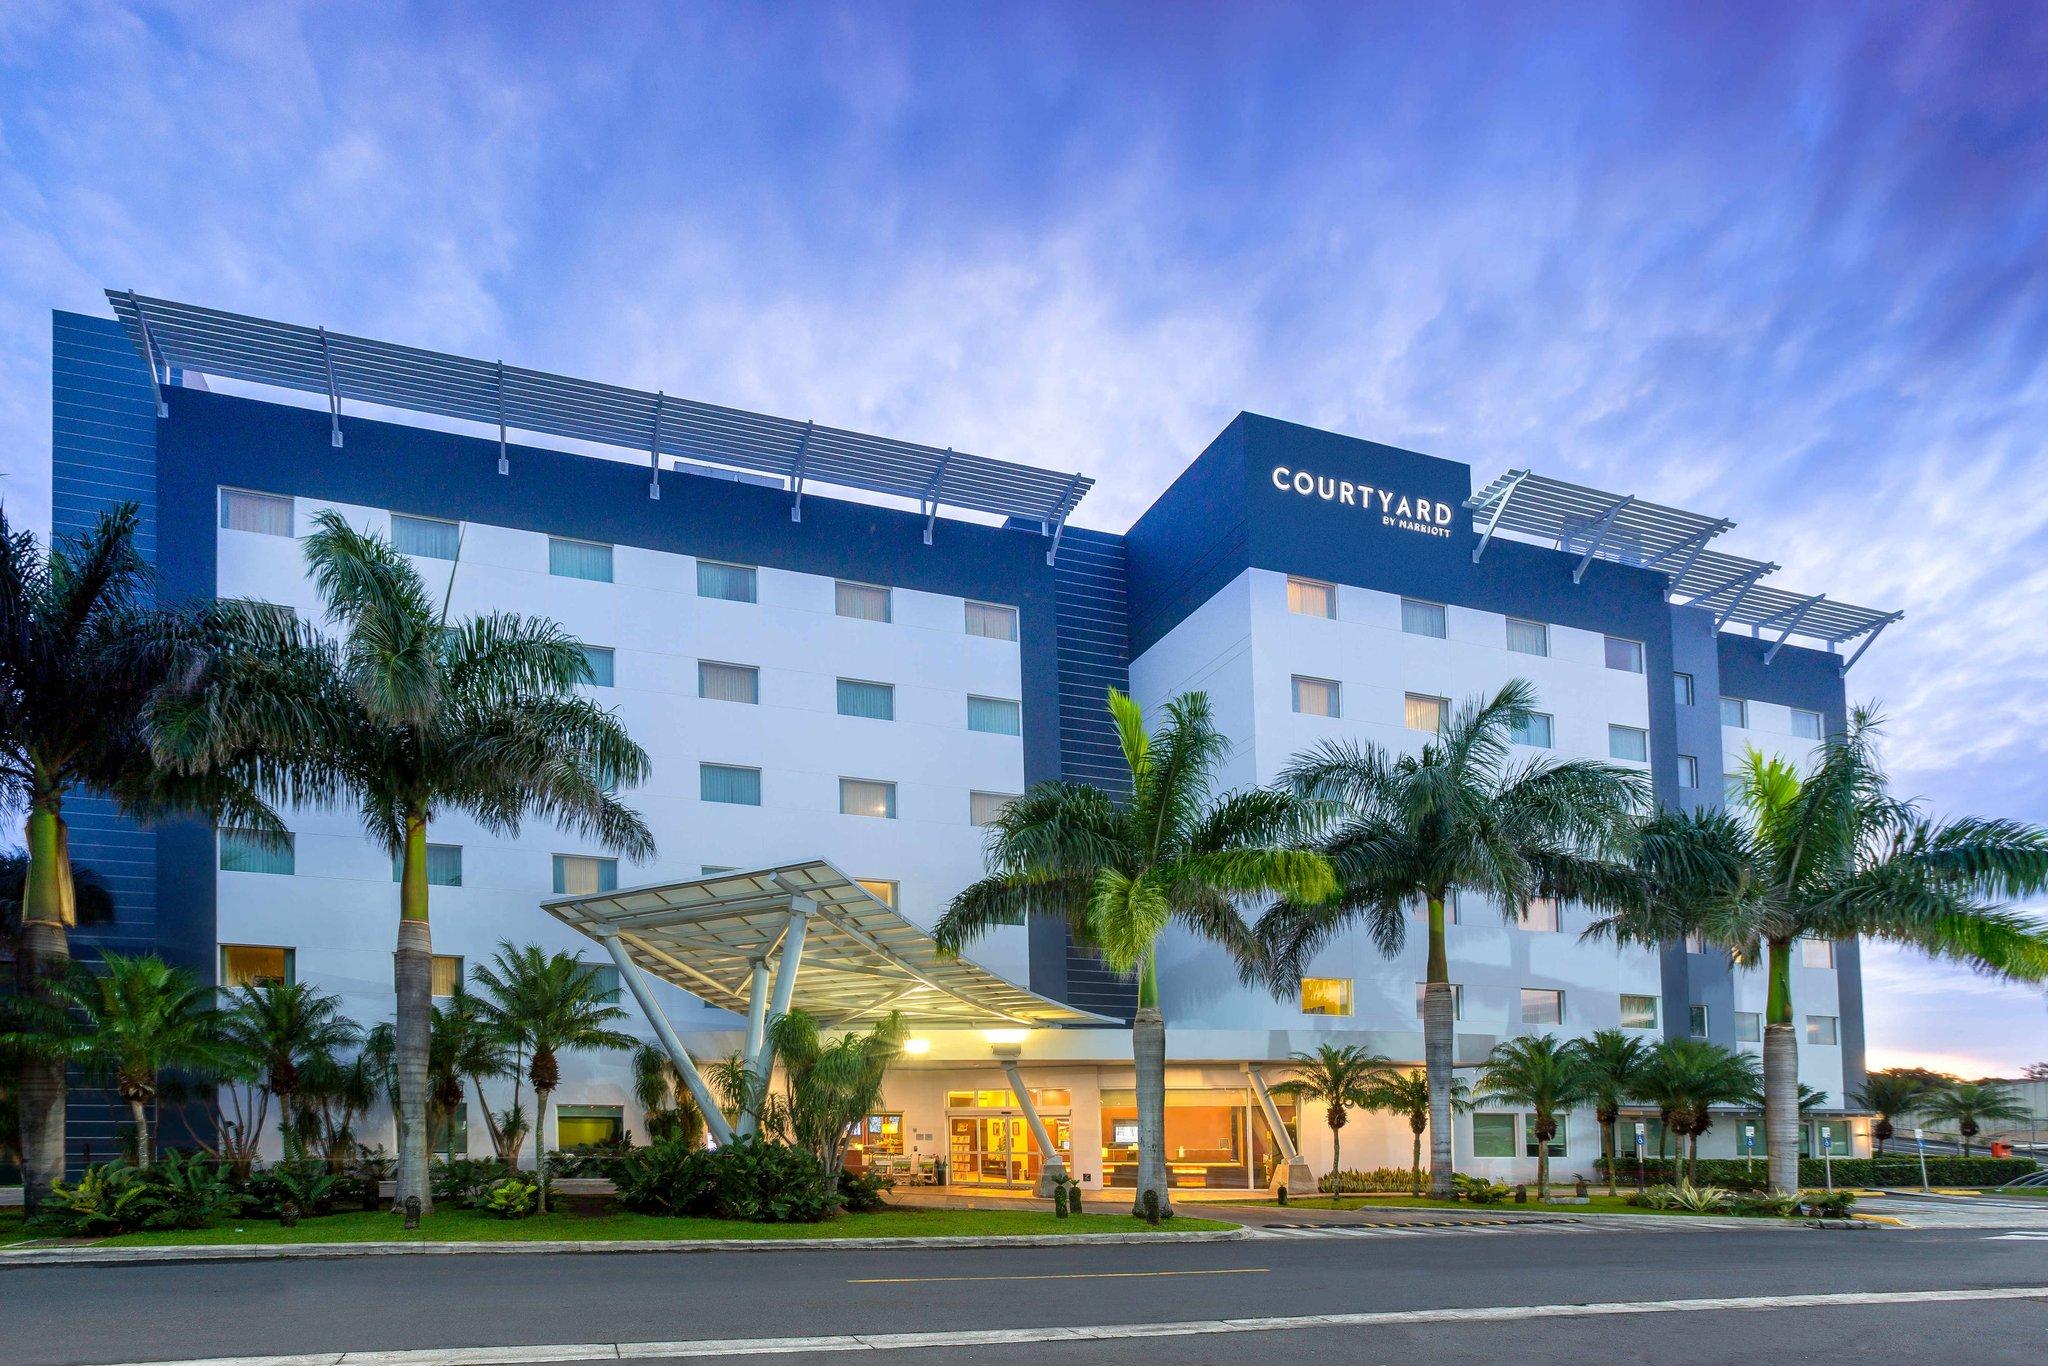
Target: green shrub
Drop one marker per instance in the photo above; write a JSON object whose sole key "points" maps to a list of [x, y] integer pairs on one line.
{"points": [[305, 1185], [181, 1191], [1400, 1180], [1764, 1205], [749, 1178], [467, 1181], [511, 1198], [1829, 1204], [1478, 1190], [590, 1159], [1889, 1170], [863, 1193], [188, 1189]]}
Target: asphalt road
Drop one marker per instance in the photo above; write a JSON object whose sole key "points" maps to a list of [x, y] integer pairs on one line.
{"points": [[75, 1316]]}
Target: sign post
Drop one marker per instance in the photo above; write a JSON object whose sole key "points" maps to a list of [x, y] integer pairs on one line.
{"points": [[1920, 1141], [1748, 1147], [1642, 1142], [1827, 1152]]}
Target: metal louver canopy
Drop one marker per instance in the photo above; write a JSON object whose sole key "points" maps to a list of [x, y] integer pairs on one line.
{"points": [[178, 336]]}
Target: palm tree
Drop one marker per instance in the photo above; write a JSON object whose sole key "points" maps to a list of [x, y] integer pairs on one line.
{"points": [[1967, 1104], [665, 1099], [1685, 1079], [1890, 1094], [82, 651], [548, 1003], [409, 716], [126, 1024], [1835, 856], [1408, 1095], [1539, 1073], [1461, 816], [285, 1028], [1614, 1061], [469, 1047], [830, 1086], [1118, 871], [1340, 1077], [333, 1093]]}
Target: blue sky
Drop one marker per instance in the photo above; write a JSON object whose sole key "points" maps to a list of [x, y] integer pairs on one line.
{"points": [[1781, 263]]}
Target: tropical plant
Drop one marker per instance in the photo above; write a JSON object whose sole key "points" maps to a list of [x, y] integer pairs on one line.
{"points": [[467, 1045], [1890, 1095], [1614, 1060], [407, 716], [125, 1025], [1119, 870], [82, 651], [1461, 816], [1542, 1074], [335, 1091], [1685, 1079], [286, 1027], [1966, 1106], [665, 1099], [1409, 1095], [751, 1178], [549, 1004], [1340, 1078], [1833, 855], [830, 1086]]}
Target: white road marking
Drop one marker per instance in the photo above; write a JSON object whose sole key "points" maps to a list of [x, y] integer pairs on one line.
{"points": [[889, 1342], [2018, 1237]]}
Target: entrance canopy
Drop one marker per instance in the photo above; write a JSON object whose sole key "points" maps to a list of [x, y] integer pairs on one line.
{"points": [[856, 957]]}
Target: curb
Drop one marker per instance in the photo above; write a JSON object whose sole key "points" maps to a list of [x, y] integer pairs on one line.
{"points": [[286, 1252]]}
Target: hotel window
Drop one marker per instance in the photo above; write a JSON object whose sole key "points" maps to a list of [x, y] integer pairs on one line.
{"points": [[1532, 729], [729, 582], [1326, 995], [266, 514], [1557, 1140], [729, 786], [444, 866], [1820, 1029], [1425, 713], [1542, 1006], [1681, 689], [861, 601], [1493, 1135], [991, 621], [597, 663], [1695, 942], [1806, 724], [866, 797], [986, 808], [1817, 953], [1625, 655], [448, 1133], [870, 701], [569, 559], [585, 875], [607, 975], [1697, 1022], [728, 682], [1423, 618], [248, 965], [1457, 999], [881, 889], [1688, 771], [430, 538], [1638, 1012], [1539, 915], [1837, 1134], [1731, 788], [1311, 598], [1734, 713], [1749, 1027], [1528, 637], [1317, 697], [994, 716], [588, 1126], [1627, 742], [445, 975], [882, 1135], [245, 851]]}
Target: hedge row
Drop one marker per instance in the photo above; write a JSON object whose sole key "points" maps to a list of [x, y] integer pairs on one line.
{"points": [[1889, 1170]]}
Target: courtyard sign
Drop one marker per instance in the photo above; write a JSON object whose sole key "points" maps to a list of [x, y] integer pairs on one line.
{"points": [[1424, 516]]}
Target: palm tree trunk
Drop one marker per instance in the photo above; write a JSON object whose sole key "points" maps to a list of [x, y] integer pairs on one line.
{"points": [[1336, 1165], [413, 974], [144, 1147], [1415, 1161], [45, 955], [1437, 1023], [1148, 1054], [540, 1147], [1542, 1170], [1607, 1150], [1781, 1075]]}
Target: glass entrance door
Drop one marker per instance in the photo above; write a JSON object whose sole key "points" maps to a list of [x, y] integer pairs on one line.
{"points": [[997, 1150]]}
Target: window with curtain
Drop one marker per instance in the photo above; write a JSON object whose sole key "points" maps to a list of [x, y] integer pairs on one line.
{"points": [[1420, 618], [991, 620], [1638, 1012], [1493, 1135], [1557, 1140], [1681, 689], [569, 559], [728, 682], [448, 1132], [867, 797], [1624, 655], [986, 808], [585, 874], [1735, 713], [430, 538], [244, 851], [994, 716], [445, 975], [1425, 713], [1540, 915], [1821, 1029], [1311, 598], [1528, 637], [248, 965], [588, 1126], [444, 866], [872, 701], [1533, 730], [1542, 1006], [1688, 771], [1806, 724], [266, 514], [861, 601], [597, 662], [732, 582], [1326, 995], [1817, 953], [1316, 697], [1749, 1026], [1696, 1023], [607, 975], [729, 785], [1628, 742]]}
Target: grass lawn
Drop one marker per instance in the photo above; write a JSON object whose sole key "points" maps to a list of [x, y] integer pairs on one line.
{"points": [[10, 1226], [458, 1225], [1598, 1204]]}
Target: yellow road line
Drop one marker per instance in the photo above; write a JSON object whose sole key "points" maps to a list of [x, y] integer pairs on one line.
{"points": [[1060, 1276]]}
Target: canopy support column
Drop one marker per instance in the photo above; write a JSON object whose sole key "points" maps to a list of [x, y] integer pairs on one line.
{"points": [[1292, 1170], [1054, 1168], [629, 973], [787, 962], [757, 1006]]}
